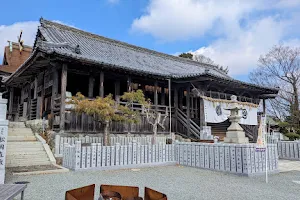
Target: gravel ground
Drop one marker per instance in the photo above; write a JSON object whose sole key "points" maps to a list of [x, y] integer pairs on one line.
{"points": [[179, 183]]}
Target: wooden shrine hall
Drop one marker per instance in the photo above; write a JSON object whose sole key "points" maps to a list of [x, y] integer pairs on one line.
{"points": [[66, 60]]}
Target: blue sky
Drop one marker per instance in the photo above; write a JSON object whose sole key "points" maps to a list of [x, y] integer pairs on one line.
{"points": [[233, 33]]}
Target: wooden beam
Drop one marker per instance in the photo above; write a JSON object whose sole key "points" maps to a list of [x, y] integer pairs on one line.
{"points": [[64, 73], [188, 110], [101, 87], [91, 86]]}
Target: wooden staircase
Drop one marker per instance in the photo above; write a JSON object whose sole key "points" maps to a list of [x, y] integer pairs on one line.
{"points": [[217, 129], [33, 109]]}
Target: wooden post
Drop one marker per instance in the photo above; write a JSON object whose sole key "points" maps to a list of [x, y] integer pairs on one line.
{"points": [[91, 86], [35, 88], [176, 106], [54, 89], [101, 87], [188, 109], [64, 73], [196, 107], [201, 113], [162, 96], [192, 106], [170, 105], [117, 90], [264, 107], [181, 98], [129, 84], [11, 102], [155, 94]]}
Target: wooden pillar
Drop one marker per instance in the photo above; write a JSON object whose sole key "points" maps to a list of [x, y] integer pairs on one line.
{"points": [[155, 94], [196, 108], [188, 114], [91, 86], [170, 106], [117, 90], [163, 96], [264, 107], [11, 101], [201, 113], [192, 107], [128, 84], [64, 73], [176, 106], [180, 98], [54, 91], [35, 88], [101, 87]]}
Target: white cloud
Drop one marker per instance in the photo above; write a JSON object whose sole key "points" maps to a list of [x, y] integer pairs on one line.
{"points": [[11, 32], [243, 29]]}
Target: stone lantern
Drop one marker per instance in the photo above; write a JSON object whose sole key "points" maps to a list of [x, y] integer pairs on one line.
{"points": [[235, 133]]}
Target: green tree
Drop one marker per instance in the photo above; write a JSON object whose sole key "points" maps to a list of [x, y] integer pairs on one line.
{"points": [[186, 55], [105, 110]]}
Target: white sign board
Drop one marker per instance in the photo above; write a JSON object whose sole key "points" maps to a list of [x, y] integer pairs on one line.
{"points": [[3, 137]]}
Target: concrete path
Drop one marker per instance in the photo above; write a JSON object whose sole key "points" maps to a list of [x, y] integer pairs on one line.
{"points": [[178, 182], [289, 165]]}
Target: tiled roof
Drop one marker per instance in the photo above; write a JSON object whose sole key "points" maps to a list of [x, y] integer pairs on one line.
{"points": [[118, 54], [63, 40]]}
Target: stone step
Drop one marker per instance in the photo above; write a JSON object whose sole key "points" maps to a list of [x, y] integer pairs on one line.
{"points": [[26, 153], [21, 138], [24, 148], [20, 134], [19, 163], [19, 130], [26, 143], [28, 157], [21, 146], [16, 125]]}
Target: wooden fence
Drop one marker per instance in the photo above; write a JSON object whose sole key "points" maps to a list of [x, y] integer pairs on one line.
{"points": [[83, 123], [289, 150], [233, 158], [96, 156], [60, 141]]}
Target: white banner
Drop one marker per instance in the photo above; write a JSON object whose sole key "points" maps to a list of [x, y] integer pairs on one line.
{"points": [[215, 113]]}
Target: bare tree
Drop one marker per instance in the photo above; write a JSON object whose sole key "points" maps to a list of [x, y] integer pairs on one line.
{"points": [[155, 119], [203, 59], [280, 67]]}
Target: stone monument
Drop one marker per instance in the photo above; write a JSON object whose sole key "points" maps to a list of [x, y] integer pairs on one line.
{"points": [[3, 137], [235, 133]]}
